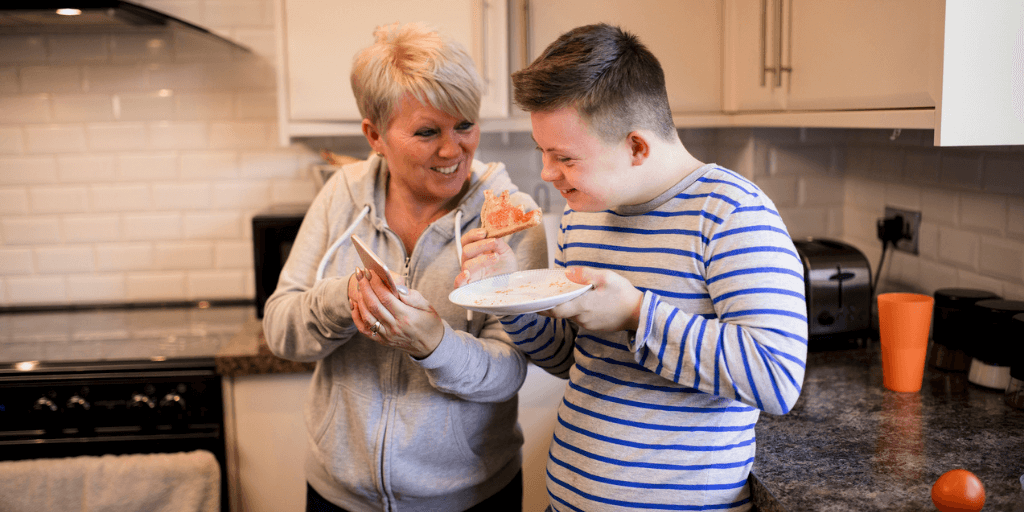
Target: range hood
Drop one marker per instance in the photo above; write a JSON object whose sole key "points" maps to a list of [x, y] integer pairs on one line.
{"points": [[90, 16]]}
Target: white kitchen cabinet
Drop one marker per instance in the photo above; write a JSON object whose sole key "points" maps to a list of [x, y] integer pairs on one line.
{"points": [[319, 38], [832, 55], [685, 36], [267, 441]]}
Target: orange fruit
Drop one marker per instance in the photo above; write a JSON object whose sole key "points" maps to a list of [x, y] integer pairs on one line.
{"points": [[958, 490]]}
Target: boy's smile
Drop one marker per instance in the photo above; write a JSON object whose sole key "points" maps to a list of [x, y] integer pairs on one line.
{"points": [[591, 175]]}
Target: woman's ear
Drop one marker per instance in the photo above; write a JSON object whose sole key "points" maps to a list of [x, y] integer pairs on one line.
{"points": [[373, 136], [640, 149]]}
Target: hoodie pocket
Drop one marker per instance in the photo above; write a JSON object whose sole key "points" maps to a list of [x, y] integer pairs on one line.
{"points": [[345, 438]]}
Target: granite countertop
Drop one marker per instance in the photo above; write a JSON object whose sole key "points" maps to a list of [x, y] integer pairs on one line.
{"points": [[247, 354], [851, 445]]}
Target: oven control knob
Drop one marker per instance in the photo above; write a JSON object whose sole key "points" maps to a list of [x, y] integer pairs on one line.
{"points": [[172, 406], [141, 402], [45, 405]]}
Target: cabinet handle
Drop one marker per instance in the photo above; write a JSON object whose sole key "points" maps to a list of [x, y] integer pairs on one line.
{"points": [[764, 44], [527, 34], [778, 44], [485, 43]]}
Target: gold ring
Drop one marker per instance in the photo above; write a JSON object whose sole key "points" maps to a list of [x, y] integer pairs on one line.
{"points": [[376, 328]]}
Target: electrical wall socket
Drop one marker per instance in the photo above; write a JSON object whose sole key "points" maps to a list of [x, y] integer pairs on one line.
{"points": [[911, 228]]}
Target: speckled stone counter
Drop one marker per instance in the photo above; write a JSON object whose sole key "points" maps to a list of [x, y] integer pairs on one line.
{"points": [[851, 445], [248, 354]]}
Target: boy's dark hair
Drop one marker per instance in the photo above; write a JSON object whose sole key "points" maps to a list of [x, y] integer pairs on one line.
{"points": [[614, 82]]}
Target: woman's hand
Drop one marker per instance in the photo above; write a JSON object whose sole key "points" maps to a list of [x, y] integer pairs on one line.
{"points": [[407, 321], [613, 304], [484, 257]]}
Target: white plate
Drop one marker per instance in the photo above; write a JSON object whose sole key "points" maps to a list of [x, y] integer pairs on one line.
{"points": [[527, 291]]}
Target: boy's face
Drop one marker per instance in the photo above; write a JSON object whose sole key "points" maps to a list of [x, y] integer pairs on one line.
{"points": [[591, 175]]}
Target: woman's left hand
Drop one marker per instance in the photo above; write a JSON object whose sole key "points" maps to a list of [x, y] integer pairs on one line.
{"points": [[407, 321]]}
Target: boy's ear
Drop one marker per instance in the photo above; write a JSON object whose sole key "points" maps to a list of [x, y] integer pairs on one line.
{"points": [[640, 149]]}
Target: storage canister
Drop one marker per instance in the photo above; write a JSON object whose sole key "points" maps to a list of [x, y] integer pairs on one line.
{"points": [[952, 321], [991, 349], [1015, 390]]}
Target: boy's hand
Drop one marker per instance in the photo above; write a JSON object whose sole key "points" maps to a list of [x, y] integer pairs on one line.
{"points": [[613, 304], [484, 257]]}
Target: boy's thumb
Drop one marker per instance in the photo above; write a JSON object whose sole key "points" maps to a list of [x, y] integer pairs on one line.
{"points": [[579, 275]]}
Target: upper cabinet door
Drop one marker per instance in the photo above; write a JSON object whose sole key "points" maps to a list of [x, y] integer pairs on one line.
{"points": [[865, 54], [321, 37], [821, 55], [685, 36]]}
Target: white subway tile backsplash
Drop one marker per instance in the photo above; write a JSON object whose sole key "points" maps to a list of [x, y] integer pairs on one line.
{"points": [[800, 160], [235, 13], [208, 106], [820, 190], [115, 78], [292, 192], [256, 105], [26, 108], [262, 42], [188, 10], [215, 285], [120, 197], [96, 289], [59, 199], [152, 226], [156, 286], [969, 279], [866, 195], [9, 82], [936, 275], [210, 165], [921, 166], [145, 106], [804, 222], [983, 213], [1001, 258], [55, 138], [116, 136], [36, 290], [183, 255], [240, 135], [63, 260], [141, 47], [269, 164], [51, 79], [12, 141], [78, 48], [1003, 175], [124, 257], [25, 170], [147, 167], [30, 230], [178, 135], [16, 261], [958, 247], [1015, 217], [85, 168], [238, 254], [181, 196], [903, 196], [194, 46], [13, 201], [17, 49], [213, 225], [91, 228], [939, 206], [960, 170], [241, 195], [928, 240]]}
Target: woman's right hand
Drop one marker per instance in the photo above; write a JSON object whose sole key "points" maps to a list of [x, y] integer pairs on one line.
{"points": [[484, 257]]}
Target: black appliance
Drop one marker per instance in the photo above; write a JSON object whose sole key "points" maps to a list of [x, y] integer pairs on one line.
{"points": [[273, 233], [68, 409], [837, 280]]}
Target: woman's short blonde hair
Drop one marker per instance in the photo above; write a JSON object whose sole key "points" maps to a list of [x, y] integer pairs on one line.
{"points": [[414, 59]]}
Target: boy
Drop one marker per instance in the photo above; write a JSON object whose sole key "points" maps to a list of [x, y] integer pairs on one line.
{"points": [[697, 321]]}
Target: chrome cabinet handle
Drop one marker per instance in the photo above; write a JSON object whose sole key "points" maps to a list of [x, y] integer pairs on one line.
{"points": [[484, 43], [527, 34], [778, 45], [764, 43]]}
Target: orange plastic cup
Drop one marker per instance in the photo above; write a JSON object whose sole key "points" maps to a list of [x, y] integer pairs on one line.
{"points": [[904, 321]]}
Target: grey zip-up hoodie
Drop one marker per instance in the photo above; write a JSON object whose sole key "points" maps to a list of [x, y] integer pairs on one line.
{"points": [[387, 431]]}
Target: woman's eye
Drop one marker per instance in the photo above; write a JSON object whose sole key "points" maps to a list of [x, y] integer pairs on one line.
{"points": [[465, 125], [425, 132]]}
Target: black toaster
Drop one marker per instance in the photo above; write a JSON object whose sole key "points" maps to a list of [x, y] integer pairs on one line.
{"points": [[837, 280]]}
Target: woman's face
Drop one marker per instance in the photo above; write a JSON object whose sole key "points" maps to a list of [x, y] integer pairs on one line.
{"points": [[429, 152]]}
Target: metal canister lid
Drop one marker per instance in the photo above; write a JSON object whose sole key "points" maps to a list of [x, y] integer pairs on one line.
{"points": [[961, 296], [994, 337], [952, 317], [1016, 347]]}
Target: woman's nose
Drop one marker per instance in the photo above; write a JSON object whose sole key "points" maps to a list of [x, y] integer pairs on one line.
{"points": [[450, 147]]}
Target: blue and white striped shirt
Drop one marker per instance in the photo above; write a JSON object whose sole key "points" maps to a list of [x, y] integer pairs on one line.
{"points": [[663, 419]]}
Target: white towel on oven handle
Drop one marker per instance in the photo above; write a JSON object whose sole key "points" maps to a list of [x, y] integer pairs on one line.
{"points": [[159, 482]]}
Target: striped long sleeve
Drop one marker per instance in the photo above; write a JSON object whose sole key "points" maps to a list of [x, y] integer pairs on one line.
{"points": [[664, 418]]}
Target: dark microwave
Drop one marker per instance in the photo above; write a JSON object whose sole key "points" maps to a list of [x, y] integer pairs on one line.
{"points": [[273, 233]]}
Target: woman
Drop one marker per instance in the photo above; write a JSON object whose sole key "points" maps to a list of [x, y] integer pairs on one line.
{"points": [[413, 402]]}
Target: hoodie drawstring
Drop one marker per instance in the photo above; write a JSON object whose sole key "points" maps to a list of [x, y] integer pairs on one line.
{"points": [[337, 243]]}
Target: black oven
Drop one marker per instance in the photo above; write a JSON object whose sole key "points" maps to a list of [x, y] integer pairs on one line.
{"points": [[57, 410], [273, 232]]}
